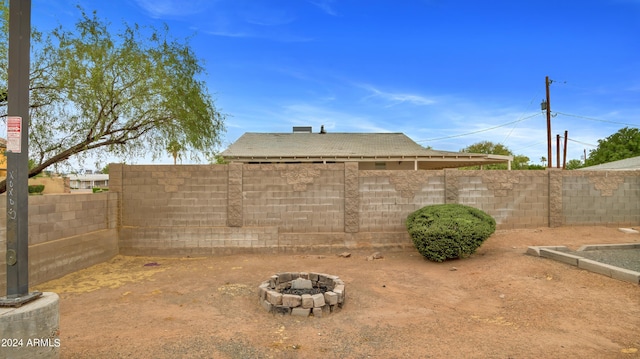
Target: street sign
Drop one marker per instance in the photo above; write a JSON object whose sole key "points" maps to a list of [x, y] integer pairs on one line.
{"points": [[14, 134]]}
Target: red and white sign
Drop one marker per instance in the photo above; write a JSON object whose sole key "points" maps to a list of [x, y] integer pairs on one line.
{"points": [[14, 134]]}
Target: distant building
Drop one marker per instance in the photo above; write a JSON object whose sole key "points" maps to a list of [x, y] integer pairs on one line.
{"points": [[88, 181]]}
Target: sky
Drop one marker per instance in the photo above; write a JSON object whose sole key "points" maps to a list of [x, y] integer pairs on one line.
{"points": [[447, 73]]}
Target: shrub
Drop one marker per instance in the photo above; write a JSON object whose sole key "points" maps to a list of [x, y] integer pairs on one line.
{"points": [[449, 231], [36, 189]]}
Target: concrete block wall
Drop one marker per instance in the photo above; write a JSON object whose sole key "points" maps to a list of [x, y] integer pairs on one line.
{"points": [[603, 197], [388, 197], [205, 209], [296, 207], [302, 198], [178, 210], [67, 232], [223, 209], [174, 196], [516, 199]]}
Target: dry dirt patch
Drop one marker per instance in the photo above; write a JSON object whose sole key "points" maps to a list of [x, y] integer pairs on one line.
{"points": [[499, 303]]}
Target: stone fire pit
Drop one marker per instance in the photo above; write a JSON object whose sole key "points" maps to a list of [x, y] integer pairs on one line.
{"points": [[302, 294]]}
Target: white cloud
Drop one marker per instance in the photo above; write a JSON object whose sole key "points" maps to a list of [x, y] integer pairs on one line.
{"points": [[158, 9], [398, 98], [325, 5]]}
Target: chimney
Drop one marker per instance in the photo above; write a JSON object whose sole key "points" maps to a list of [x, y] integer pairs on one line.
{"points": [[322, 131], [302, 129]]}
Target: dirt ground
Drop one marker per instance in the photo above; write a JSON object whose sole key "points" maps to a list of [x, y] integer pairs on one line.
{"points": [[499, 303]]}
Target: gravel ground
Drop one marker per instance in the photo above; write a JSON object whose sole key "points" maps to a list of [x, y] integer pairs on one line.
{"points": [[623, 258], [498, 303]]}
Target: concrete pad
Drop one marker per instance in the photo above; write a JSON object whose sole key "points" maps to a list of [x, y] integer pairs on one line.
{"points": [[628, 230], [31, 331]]}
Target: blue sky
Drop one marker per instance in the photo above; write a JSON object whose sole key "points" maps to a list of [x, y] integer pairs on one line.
{"points": [[447, 73]]}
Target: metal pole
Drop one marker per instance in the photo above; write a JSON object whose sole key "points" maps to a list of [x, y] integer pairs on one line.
{"points": [[558, 150], [18, 156], [549, 154], [566, 139]]}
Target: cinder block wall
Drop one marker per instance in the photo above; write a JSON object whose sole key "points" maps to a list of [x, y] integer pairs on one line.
{"points": [[303, 198], [179, 210], [67, 232], [601, 197], [516, 199], [219, 209], [387, 197]]}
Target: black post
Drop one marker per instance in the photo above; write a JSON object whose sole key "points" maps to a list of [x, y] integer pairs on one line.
{"points": [[547, 82], [18, 156]]}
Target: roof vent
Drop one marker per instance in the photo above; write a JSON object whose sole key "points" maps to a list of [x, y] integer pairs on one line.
{"points": [[302, 129], [322, 131]]}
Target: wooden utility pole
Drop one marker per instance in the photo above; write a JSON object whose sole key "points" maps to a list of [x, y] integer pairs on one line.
{"points": [[558, 150], [566, 139], [547, 82]]}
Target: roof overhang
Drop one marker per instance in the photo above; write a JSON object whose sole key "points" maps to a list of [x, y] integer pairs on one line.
{"points": [[435, 161]]}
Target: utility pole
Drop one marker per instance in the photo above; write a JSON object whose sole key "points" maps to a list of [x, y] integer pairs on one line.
{"points": [[18, 156], [566, 139], [547, 82], [558, 150]]}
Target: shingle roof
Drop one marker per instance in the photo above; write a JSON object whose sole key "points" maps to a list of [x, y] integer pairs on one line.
{"points": [[356, 147], [325, 145], [632, 163]]}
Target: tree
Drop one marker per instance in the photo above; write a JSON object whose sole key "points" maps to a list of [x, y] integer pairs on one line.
{"points": [[543, 160], [175, 149], [488, 147], [123, 94], [623, 144], [574, 164]]}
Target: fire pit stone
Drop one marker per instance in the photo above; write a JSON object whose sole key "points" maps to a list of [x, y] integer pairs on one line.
{"points": [[302, 294]]}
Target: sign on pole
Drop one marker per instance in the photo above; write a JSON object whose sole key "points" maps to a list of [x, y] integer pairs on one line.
{"points": [[14, 134]]}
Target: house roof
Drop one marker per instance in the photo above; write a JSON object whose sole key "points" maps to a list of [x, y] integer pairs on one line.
{"points": [[632, 163], [285, 147]]}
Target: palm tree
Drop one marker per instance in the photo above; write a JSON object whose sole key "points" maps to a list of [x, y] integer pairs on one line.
{"points": [[543, 160], [174, 148]]}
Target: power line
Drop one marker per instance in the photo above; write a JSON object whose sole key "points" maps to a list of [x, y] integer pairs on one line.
{"points": [[529, 146], [484, 130], [582, 143], [595, 119], [514, 127]]}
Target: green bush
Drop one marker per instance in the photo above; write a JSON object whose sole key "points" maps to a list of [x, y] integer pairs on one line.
{"points": [[36, 189], [449, 231]]}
